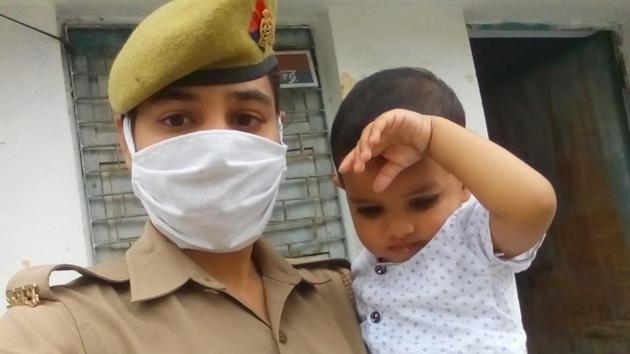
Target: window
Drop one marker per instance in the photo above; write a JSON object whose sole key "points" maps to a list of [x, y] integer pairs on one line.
{"points": [[306, 219]]}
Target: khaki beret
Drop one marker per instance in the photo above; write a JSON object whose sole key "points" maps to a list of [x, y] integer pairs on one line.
{"points": [[193, 41]]}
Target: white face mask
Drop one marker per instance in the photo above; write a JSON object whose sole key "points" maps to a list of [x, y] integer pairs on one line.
{"points": [[211, 190]]}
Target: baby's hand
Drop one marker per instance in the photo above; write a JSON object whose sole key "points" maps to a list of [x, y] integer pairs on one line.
{"points": [[400, 136]]}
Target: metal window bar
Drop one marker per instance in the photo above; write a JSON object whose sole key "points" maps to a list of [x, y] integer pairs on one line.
{"points": [[306, 221]]}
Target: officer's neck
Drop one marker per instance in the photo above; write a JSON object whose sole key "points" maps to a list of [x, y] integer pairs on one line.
{"points": [[239, 274], [234, 269]]}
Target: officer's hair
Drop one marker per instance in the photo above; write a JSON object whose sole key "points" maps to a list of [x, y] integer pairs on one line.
{"points": [[414, 89], [274, 79]]}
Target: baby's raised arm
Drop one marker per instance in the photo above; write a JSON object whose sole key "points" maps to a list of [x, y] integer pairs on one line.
{"points": [[520, 200]]}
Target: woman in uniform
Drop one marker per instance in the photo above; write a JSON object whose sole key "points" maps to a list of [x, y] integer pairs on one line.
{"points": [[200, 128]]}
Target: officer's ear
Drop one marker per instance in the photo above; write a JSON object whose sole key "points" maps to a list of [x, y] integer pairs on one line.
{"points": [[118, 119]]}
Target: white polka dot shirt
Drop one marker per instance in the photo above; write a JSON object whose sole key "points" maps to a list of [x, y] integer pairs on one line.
{"points": [[454, 296]]}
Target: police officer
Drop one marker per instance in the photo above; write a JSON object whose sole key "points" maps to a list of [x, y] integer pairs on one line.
{"points": [[201, 131]]}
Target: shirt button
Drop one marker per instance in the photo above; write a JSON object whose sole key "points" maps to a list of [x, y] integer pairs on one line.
{"points": [[282, 337], [375, 317], [380, 269]]}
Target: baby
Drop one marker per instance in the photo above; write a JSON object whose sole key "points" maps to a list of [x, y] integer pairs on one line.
{"points": [[446, 217]]}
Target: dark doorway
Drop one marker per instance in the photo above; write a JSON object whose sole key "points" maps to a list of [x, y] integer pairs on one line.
{"points": [[558, 103]]}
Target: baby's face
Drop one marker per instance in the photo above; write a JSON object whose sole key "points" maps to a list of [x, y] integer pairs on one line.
{"points": [[397, 223]]}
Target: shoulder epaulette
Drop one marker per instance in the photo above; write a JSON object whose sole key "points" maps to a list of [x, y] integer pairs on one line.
{"points": [[340, 265], [31, 285]]}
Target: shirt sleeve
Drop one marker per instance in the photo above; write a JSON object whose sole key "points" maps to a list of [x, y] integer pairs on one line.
{"points": [[46, 328], [475, 221]]}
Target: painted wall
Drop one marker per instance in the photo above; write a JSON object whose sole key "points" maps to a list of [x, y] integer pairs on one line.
{"points": [[41, 208], [351, 50], [434, 38]]}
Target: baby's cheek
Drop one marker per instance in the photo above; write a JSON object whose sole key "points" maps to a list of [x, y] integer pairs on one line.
{"points": [[431, 225], [370, 236], [367, 237]]}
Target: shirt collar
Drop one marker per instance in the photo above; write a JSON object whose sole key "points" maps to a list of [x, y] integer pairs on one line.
{"points": [[274, 266], [157, 267]]}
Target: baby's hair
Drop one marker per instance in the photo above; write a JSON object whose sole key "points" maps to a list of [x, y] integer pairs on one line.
{"points": [[413, 89]]}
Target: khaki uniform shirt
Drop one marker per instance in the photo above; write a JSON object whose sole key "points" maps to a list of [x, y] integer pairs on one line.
{"points": [[157, 300]]}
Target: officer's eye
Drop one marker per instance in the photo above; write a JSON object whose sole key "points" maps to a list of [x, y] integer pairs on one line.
{"points": [[370, 211], [423, 203], [176, 120], [247, 121]]}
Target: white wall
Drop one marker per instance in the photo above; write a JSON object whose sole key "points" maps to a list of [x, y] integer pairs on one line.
{"points": [[356, 41], [41, 206], [432, 37]]}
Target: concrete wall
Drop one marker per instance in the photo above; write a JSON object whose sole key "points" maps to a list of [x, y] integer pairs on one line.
{"points": [[434, 39], [351, 50], [41, 206]]}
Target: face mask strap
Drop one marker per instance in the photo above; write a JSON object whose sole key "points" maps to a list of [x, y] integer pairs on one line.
{"points": [[128, 135], [281, 127]]}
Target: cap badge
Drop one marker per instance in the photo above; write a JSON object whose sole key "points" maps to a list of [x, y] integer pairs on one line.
{"points": [[262, 26]]}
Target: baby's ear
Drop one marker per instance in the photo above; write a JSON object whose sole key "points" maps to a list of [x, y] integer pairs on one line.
{"points": [[336, 180]]}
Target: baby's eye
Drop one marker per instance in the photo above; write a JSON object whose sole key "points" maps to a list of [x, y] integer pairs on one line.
{"points": [[371, 211], [423, 203], [176, 120]]}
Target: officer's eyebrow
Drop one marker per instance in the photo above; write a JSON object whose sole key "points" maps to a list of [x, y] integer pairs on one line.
{"points": [[251, 95], [175, 93]]}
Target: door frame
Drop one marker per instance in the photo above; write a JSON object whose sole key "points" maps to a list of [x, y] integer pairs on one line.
{"points": [[546, 30]]}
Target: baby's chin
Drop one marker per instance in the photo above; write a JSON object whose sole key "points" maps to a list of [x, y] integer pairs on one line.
{"points": [[399, 254]]}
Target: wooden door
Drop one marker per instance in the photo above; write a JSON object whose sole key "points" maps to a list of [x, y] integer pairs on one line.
{"points": [[559, 105]]}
